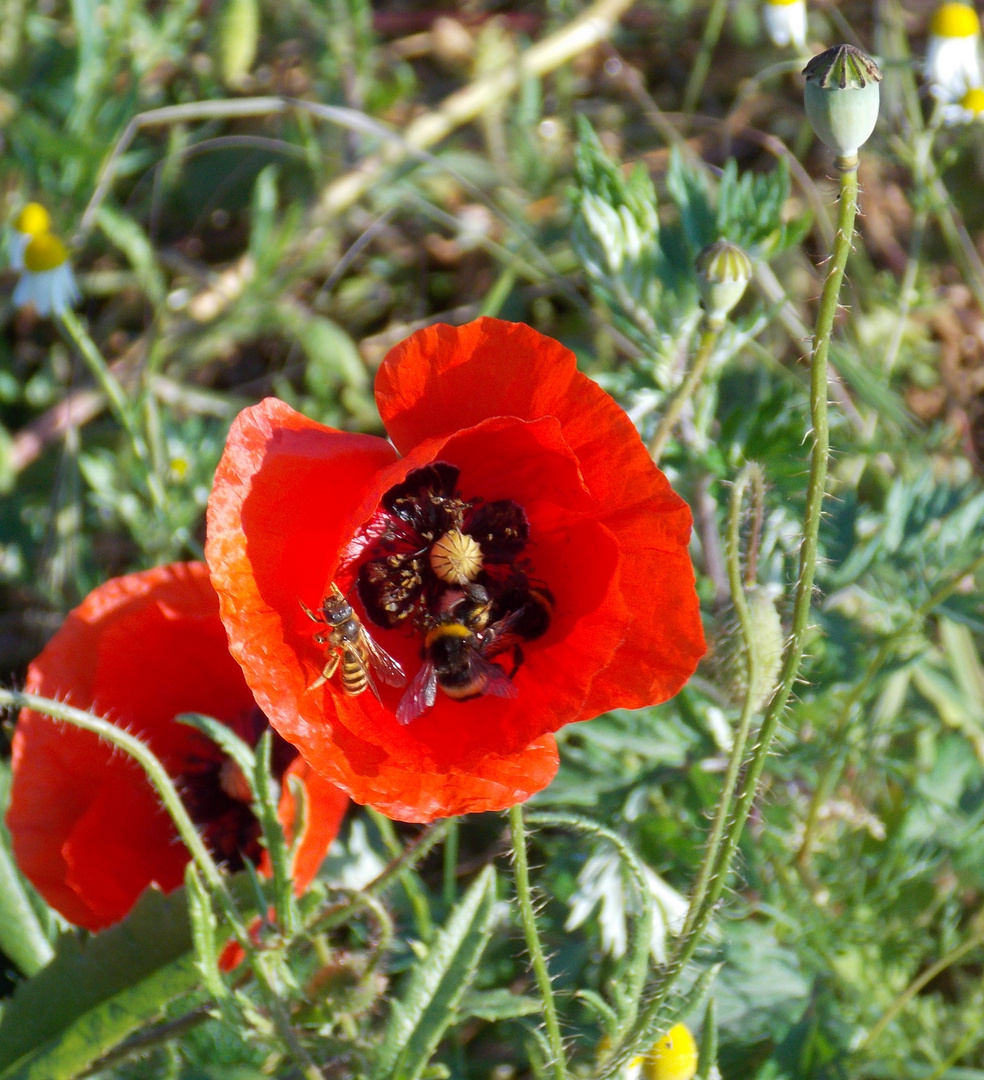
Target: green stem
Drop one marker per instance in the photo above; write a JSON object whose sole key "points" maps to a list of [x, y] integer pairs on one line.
{"points": [[687, 945], [702, 63], [164, 786], [411, 883], [145, 758], [522, 875], [668, 421], [116, 397], [21, 937], [925, 977], [451, 863], [699, 911]]}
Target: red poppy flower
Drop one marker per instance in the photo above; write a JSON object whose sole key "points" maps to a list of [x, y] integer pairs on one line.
{"points": [[514, 550], [87, 828]]}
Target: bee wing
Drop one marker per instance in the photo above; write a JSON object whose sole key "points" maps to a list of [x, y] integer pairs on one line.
{"points": [[497, 682], [420, 694], [383, 664]]}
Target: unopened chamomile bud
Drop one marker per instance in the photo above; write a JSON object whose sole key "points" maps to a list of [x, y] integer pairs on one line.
{"points": [[723, 272], [841, 98], [766, 642]]}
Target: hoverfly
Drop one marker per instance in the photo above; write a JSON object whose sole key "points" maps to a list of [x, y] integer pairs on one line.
{"points": [[457, 652], [352, 648]]}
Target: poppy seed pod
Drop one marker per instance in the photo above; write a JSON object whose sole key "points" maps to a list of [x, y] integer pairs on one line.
{"points": [[723, 272], [841, 98]]}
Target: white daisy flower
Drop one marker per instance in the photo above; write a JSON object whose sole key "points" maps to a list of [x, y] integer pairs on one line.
{"points": [[602, 881], [953, 62], [30, 222], [785, 22], [47, 280], [969, 108]]}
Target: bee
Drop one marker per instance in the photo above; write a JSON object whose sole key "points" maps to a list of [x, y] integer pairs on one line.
{"points": [[352, 649], [457, 652]]}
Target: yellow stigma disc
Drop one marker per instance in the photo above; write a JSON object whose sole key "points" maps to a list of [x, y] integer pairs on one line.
{"points": [[33, 220], [44, 252], [456, 558], [674, 1057], [973, 100], [955, 20]]}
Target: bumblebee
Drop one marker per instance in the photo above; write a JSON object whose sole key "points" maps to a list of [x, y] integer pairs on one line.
{"points": [[457, 654], [352, 649]]}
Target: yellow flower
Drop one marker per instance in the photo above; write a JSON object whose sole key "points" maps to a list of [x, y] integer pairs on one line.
{"points": [[953, 63], [674, 1057], [46, 280], [970, 107], [30, 222]]}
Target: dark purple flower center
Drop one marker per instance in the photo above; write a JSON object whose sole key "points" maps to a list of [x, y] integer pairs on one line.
{"points": [[452, 570], [217, 795]]}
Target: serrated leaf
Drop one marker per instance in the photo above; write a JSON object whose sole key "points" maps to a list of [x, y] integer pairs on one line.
{"points": [[689, 190], [437, 985], [95, 992]]}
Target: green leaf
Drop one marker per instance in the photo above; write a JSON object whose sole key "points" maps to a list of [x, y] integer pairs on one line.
{"points": [[437, 984], [97, 991], [499, 1004], [332, 358]]}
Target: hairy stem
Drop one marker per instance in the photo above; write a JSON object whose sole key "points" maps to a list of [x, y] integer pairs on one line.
{"points": [[687, 943], [668, 421], [521, 871], [145, 758], [699, 911]]}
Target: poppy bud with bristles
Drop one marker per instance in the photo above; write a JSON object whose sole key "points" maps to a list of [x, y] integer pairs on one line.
{"points": [[766, 641], [723, 272], [841, 98]]}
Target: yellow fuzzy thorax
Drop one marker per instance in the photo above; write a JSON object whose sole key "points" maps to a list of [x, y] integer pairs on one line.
{"points": [[973, 100], [33, 220], [44, 252], [955, 20]]}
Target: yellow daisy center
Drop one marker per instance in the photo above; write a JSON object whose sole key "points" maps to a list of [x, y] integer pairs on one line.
{"points": [[33, 220], [954, 20], [973, 100], [674, 1057], [44, 252], [782, 3]]}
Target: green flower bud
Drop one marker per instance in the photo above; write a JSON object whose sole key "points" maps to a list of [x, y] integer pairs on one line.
{"points": [[723, 271], [841, 99], [766, 642]]}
